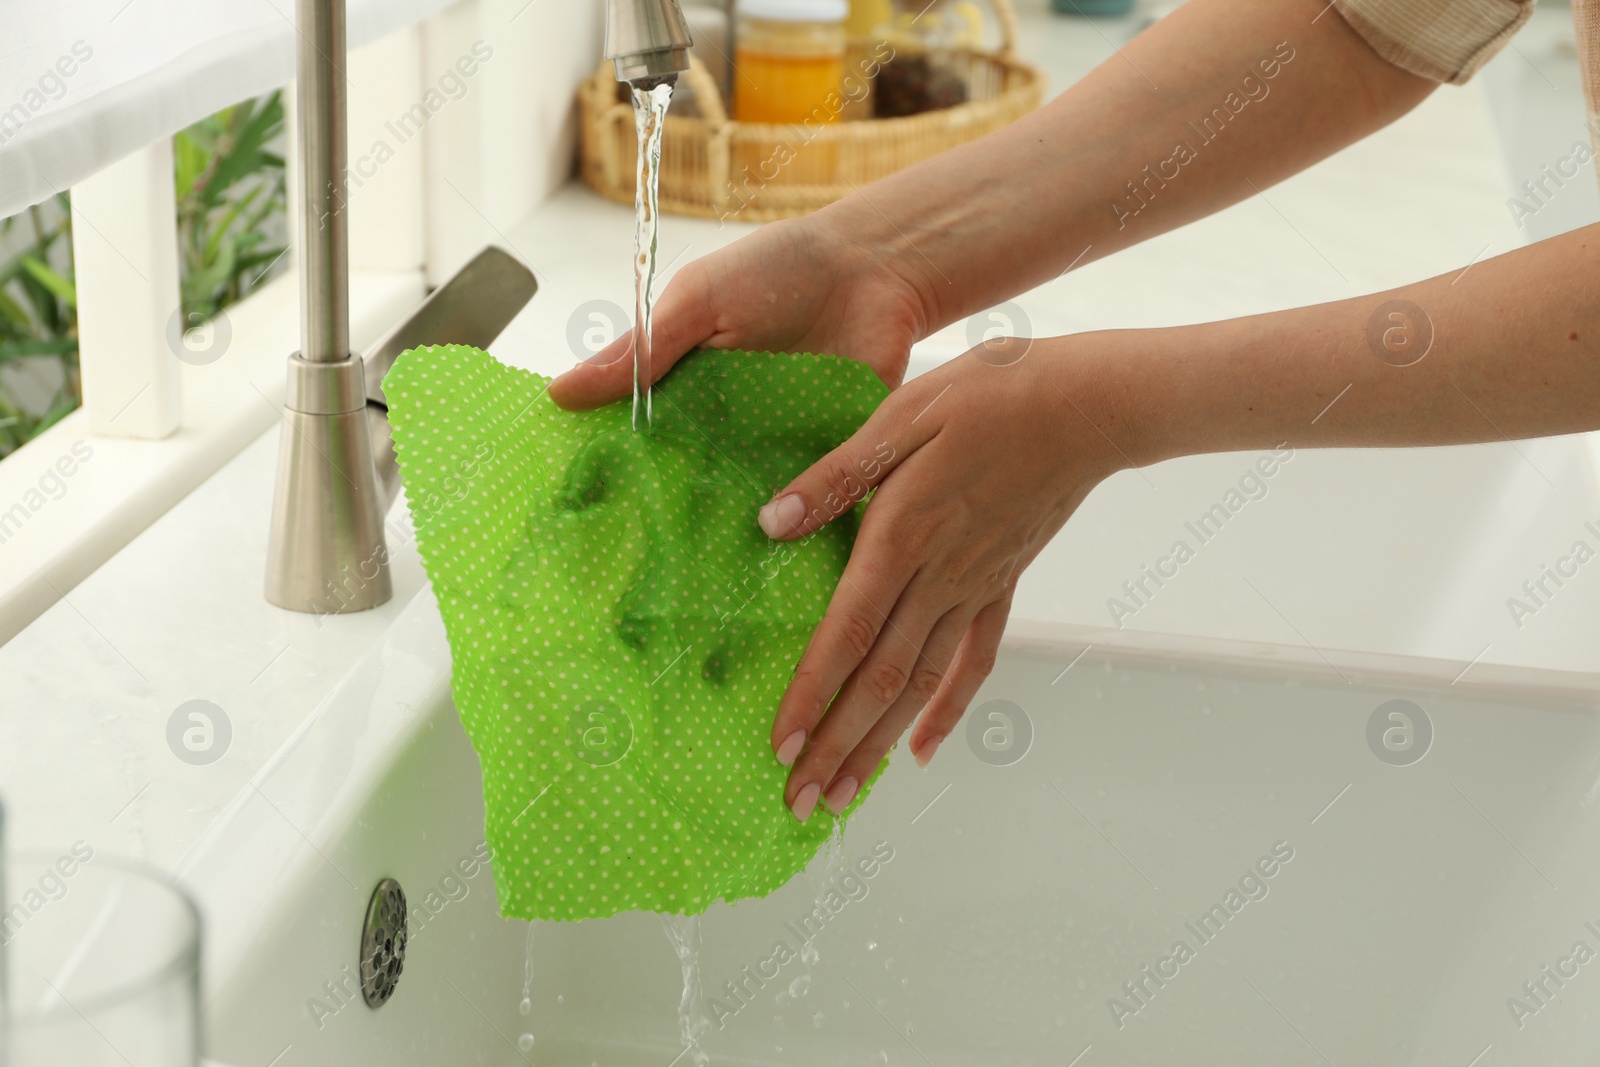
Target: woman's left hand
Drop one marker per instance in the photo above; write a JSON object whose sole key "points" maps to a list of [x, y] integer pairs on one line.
{"points": [[977, 465]]}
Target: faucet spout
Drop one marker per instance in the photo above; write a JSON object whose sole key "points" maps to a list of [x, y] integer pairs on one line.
{"points": [[647, 40]]}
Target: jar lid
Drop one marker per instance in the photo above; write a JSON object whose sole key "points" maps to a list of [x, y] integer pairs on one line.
{"points": [[796, 10]]}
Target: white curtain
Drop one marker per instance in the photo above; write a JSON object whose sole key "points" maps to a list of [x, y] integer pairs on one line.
{"points": [[85, 82]]}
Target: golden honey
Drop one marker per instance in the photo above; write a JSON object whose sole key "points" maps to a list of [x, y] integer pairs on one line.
{"points": [[789, 73], [787, 88]]}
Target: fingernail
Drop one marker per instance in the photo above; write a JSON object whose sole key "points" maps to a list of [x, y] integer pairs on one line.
{"points": [[782, 515], [790, 749], [842, 792], [805, 801], [925, 754]]}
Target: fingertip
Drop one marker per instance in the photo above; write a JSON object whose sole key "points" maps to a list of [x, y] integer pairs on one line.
{"points": [[806, 801], [595, 380], [565, 393], [790, 749], [841, 793], [784, 517], [586, 386]]}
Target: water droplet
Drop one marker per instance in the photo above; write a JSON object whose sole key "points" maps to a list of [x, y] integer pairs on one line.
{"points": [[881, 1057], [872, 946], [817, 1020], [798, 987], [560, 999], [684, 933], [888, 964], [525, 1042], [526, 1004]]}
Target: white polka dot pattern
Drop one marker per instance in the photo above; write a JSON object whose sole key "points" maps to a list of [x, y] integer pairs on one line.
{"points": [[621, 630]]}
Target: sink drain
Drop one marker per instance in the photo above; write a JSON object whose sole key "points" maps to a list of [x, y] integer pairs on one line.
{"points": [[383, 943]]}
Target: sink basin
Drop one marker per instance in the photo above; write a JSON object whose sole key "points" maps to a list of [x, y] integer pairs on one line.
{"points": [[1409, 916], [1349, 887]]}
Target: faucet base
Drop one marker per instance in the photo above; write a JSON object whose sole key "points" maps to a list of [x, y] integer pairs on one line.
{"points": [[326, 552]]}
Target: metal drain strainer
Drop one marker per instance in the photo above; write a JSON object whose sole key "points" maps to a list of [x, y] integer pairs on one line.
{"points": [[383, 943]]}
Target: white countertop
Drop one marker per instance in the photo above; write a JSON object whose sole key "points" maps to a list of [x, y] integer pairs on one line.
{"points": [[179, 614]]}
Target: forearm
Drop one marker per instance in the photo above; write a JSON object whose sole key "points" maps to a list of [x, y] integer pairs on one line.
{"points": [[1509, 348], [1167, 131]]}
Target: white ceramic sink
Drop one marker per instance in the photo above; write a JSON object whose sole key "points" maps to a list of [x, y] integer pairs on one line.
{"points": [[1008, 905], [1019, 900]]}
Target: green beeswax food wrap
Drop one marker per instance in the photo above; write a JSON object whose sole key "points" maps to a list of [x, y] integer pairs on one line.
{"points": [[620, 627]]}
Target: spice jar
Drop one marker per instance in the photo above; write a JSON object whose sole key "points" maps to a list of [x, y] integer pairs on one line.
{"points": [[931, 40]]}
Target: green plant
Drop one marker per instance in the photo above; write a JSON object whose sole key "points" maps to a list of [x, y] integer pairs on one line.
{"points": [[39, 317], [230, 216], [231, 192]]}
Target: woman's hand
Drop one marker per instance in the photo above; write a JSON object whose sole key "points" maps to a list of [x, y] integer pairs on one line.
{"points": [[976, 466], [803, 285]]}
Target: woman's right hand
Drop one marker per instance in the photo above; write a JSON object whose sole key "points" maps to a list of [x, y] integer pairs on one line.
{"points": [[800, 285]]}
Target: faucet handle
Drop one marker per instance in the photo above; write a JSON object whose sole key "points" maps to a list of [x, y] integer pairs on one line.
{"points": [[648, 40], [471, 308]]}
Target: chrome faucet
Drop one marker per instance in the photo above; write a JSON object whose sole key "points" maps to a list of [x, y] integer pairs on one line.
{"points": [[337, 476], [647, 40], [326, 550]]}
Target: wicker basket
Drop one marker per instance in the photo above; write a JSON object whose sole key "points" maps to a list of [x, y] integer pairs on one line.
{"points": [[714, 167]]}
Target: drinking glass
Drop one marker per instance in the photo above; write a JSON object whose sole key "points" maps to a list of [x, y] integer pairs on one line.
{"points": [[101, 963]]}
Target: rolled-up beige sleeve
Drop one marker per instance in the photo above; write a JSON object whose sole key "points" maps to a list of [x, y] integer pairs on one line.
{"points": [[1443, 40]]}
